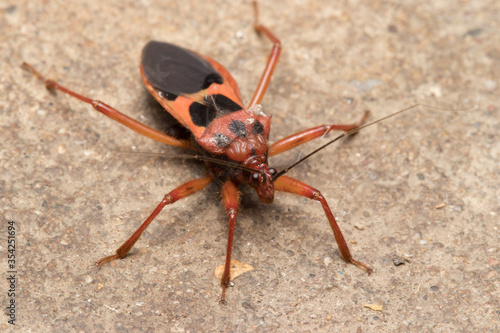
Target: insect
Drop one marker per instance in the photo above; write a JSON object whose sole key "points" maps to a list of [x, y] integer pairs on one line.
{"points": [[231, 139]]}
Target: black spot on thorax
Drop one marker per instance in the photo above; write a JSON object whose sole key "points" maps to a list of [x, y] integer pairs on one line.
{"points": [[258, 128], [221, 140], [238, 128]]}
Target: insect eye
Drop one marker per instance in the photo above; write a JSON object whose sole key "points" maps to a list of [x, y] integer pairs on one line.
{"points": [[272, 171], [255, 176]]}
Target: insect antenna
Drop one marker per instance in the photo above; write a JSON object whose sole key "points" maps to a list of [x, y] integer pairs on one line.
{"points": [[201, 158], [218, 161], [346, 134]]}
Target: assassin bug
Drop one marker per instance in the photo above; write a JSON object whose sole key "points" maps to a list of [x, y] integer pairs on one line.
{"points": [[231, 139]]}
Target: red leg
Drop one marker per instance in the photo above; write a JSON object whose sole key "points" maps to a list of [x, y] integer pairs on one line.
{"points": [[112, 113], [287, 184], [230, 197], [180, 192], [271, 62], [297, 139]]}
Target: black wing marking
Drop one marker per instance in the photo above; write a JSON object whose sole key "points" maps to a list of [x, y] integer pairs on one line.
{"points": [[213, 106], [175, 70]]}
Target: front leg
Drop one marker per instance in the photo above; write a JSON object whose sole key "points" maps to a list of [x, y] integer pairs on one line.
{"points": [[297, 139], [287, 184], [230, 198], [180, 192]]}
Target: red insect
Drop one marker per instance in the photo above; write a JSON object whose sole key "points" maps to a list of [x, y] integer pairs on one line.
{"points": [[231, 139]]}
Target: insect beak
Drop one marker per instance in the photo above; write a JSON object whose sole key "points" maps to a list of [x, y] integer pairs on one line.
{"points": [[265, 191]]}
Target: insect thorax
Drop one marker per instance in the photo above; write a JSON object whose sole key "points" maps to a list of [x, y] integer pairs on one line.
{"points": [[241, 149]]}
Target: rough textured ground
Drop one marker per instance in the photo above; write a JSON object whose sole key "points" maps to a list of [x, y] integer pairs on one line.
{"points": [[77, 188]]}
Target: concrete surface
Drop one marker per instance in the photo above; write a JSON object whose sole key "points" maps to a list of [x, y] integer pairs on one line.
{"points": [[77, 188]]}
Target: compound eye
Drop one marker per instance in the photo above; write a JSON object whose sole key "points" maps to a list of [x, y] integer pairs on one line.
{"points": [[272, 171], [255, 177]]}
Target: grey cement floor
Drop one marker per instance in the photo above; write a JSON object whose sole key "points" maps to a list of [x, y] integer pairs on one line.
{"points": [[77, 188]]}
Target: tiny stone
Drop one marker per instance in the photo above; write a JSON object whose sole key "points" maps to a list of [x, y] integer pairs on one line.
{"points": [[398, 261], [61, 149], [328, 261], [441, 205]]}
